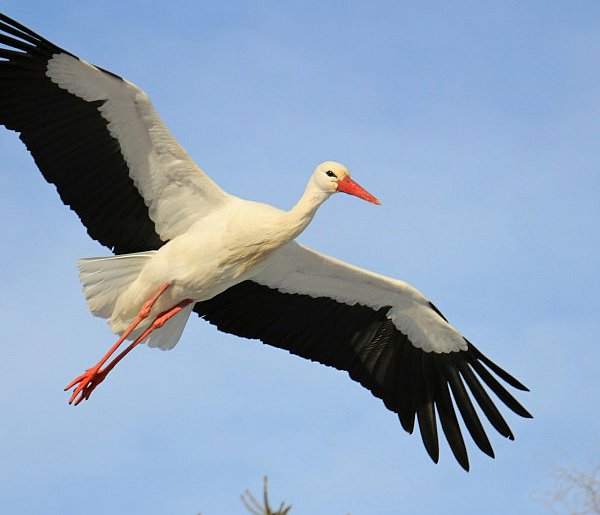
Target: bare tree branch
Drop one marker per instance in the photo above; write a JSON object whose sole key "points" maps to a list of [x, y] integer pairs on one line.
{"points": [[254, 507], [576, 491]]}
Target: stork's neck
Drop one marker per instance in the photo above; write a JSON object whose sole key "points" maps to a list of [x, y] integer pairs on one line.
{"points": [[304, 211]]}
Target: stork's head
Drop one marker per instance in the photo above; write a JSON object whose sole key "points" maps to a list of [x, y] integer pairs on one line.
{"points": [[332, 177]]}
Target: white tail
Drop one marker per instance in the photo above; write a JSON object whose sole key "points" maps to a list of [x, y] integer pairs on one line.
{"points": [[104, 279]]}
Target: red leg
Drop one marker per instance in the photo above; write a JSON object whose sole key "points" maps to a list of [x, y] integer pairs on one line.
{"points": [[159, 321], [90, 374]]}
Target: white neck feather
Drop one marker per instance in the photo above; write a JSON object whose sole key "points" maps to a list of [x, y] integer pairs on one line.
{"points": [[303, 212]]}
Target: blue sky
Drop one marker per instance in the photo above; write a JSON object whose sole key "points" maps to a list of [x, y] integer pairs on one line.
{"points": [[475, 123]]}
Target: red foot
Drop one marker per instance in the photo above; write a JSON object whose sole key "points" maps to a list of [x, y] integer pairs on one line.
{"points": [[86, 383]]}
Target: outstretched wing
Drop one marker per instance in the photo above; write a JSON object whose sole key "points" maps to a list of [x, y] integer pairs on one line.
{"points": [[387, 335], [97, 137]]}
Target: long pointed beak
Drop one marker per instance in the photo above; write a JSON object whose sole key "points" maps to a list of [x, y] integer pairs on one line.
{"points": [[351, 187]]}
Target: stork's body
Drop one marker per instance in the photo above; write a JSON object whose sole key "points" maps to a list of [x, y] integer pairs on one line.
{"points": [[182, 244], [217, 252], [222, 249]]}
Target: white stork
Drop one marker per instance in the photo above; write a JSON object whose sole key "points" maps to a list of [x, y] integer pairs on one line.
{"points": [[182, 244]]}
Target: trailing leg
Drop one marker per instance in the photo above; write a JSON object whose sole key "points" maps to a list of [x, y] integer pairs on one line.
{"points": [[95, 375]]}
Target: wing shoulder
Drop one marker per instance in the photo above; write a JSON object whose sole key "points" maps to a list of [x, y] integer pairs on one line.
{"points": [[298, 269]]}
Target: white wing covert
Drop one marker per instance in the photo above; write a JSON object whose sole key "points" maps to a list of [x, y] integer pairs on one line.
{"points": [[298, 269]]}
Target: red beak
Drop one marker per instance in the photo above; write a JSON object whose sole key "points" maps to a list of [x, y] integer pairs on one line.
{"points": [[351, 187]]}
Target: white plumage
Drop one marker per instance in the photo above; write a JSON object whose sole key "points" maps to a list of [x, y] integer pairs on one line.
{"points": [[182, 244]]}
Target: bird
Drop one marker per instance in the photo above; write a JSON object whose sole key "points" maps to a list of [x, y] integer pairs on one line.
{"points": [[181, 244]]}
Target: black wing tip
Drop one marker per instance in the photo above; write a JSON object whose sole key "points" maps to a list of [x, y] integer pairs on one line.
{"points": [[485, 447], [500, 372], [461, 457], [407, 421], [409, 430], [9, 20], [433, 452], [523, 388], [515, 383], [30, 37]]}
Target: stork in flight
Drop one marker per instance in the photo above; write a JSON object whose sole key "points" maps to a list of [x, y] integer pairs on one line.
{"points": [[182, 244]]}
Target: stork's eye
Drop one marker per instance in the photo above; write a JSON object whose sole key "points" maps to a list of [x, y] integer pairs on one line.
{"points": [[330, 173]]}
